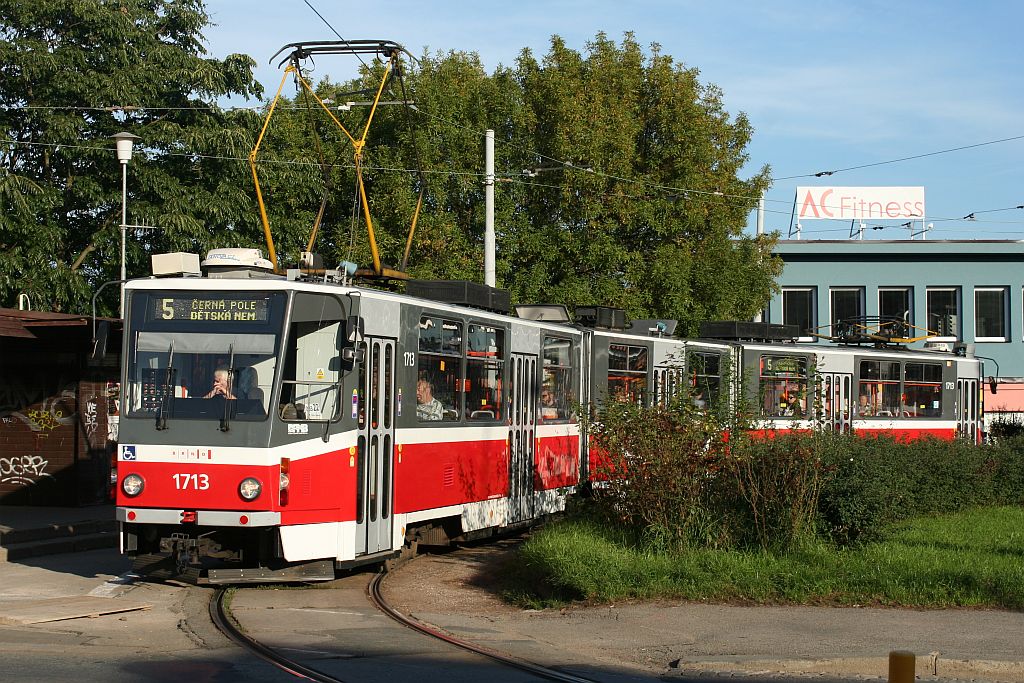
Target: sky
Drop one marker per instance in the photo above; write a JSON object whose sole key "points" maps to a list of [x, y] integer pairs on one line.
{"points": [[826, 85]]}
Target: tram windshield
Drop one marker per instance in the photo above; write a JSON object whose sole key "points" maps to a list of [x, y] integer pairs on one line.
{"points": [[202, 355]]}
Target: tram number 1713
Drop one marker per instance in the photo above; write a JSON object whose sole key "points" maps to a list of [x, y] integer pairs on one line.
{"points": [[199, 482]]}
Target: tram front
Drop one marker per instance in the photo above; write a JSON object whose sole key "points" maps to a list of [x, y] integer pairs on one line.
{"points": [[200, 486]]}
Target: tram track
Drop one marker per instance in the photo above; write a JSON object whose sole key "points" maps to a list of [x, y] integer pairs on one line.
{"points": [[220, 614]]}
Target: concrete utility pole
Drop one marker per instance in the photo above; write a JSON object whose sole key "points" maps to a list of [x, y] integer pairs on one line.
{"points": [[489, 276], [760, 215], [123, 142]]}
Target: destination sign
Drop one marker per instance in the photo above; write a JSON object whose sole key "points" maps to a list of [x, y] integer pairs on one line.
{"points": [[207, 309], [783, 366]]}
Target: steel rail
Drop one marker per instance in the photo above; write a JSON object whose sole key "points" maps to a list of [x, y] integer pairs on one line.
{"points": [[375, 596], [222, 620]]}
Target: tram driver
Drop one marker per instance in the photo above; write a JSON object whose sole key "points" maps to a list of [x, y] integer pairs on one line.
{"points": [[221, 384], [427, 405]]}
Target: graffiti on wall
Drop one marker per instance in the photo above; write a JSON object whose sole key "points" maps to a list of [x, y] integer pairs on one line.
{"points": [[32, 406], [23, 469]]}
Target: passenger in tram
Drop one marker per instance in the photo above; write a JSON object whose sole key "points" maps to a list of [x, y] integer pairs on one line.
{"points": [[863, 407], [548, 410], [221, 384], [427, 406], [248, 384]]}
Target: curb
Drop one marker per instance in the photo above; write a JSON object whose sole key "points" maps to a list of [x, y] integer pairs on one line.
{"points": [[10, 552], [931, 666]]}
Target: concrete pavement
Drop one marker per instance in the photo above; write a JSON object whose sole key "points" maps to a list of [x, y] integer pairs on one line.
{"points": [[455, 592]]}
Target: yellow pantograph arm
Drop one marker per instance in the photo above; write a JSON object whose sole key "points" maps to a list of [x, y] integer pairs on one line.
{"points": [[376, 99], [271, 253]]}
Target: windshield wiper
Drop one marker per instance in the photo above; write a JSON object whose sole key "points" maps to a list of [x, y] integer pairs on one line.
{"points": [[166, 390], [225, 423]]}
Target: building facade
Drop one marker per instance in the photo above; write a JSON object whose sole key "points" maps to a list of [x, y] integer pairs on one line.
{"points": [[58, 410], [969, 291]]}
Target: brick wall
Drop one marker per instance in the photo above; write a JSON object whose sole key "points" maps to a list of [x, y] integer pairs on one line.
{"points": [[54, 446]]}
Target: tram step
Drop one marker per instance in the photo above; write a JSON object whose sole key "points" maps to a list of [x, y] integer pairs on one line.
{"points": [[10, 552]]}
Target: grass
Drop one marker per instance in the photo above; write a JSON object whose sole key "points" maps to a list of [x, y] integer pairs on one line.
{"points": [[969, 559]]}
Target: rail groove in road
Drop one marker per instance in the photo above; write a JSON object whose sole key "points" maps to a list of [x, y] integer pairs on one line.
{"points": [[221, 617]]}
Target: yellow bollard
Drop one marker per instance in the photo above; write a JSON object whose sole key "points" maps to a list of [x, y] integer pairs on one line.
{"points": [[901, 666]]}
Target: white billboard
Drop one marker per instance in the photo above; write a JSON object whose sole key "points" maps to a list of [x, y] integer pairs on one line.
{"points": [[859, 203]]}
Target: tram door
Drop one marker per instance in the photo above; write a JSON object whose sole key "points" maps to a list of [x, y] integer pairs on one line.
{"points": [[835, 400], [375, 448], [967, 413], [522, 436]]}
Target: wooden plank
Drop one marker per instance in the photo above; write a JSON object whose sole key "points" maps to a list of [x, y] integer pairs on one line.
{"points": [[58, 609]]}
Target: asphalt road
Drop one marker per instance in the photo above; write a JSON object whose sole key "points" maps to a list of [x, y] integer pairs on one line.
{"points": [[335, 627]]}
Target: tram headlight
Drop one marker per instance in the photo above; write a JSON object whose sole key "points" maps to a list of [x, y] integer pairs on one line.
{"points": [[250, 488], [132, 485], [284, 481]]}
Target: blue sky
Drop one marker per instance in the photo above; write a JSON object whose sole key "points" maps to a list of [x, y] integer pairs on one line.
{"points": [[827, 85]]}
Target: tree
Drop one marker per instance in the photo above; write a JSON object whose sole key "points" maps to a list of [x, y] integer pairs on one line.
{"points": [[72, 73], [649, 215], [657, 227]]}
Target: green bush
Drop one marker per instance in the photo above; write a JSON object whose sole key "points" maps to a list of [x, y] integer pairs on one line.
{"points": [[779, 478], [875, 482]]}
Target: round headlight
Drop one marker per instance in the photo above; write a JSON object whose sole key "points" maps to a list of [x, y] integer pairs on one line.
{"points": [[284, 480], [132, 485], [250, 488]]}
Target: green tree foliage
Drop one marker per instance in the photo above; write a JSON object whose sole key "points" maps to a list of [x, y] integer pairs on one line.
{"points": [[654, 227], [74, 72]]}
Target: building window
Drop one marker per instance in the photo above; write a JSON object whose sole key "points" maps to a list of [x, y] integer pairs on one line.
{"points": [[798, 309], [944, 311], [896, 305], [847, 303], [990, 314]]}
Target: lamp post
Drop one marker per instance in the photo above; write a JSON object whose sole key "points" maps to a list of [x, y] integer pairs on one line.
{"points": [[124, 142]]}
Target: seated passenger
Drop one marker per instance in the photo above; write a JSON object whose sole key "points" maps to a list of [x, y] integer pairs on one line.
{"points": [[427, 407], [248, 385], [221, 384], [863, 407], [548, 410]]}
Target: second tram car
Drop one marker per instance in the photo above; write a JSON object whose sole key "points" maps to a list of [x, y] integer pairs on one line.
{"points": [[278, 428]]}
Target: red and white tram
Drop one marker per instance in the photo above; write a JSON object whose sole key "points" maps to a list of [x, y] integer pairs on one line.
{"points": [[278, 428]]}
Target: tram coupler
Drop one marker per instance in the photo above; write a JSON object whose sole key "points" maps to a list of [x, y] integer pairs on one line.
{"points": [[183, 548]]}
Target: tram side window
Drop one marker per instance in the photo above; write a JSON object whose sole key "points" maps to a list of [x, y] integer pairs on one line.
{"points": [[485, 364], [878, 391], [783, 386], [439, 385], [309, 386], [556, 384], [627, 373], [922, 390], [705, 371]]}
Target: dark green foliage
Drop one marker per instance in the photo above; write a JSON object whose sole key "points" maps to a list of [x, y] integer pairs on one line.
{"points": [[779, 478], [66, 71], [876, 482], [614, 236]]}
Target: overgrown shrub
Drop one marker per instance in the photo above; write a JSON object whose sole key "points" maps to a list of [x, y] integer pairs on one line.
{"points": [[779, 478], [659, 469]]}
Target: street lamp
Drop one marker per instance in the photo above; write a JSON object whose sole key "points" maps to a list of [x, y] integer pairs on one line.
{"points": [[124, 143]]}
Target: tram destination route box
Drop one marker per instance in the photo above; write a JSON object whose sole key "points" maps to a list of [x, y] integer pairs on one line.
{"points": [[206, 308]]}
